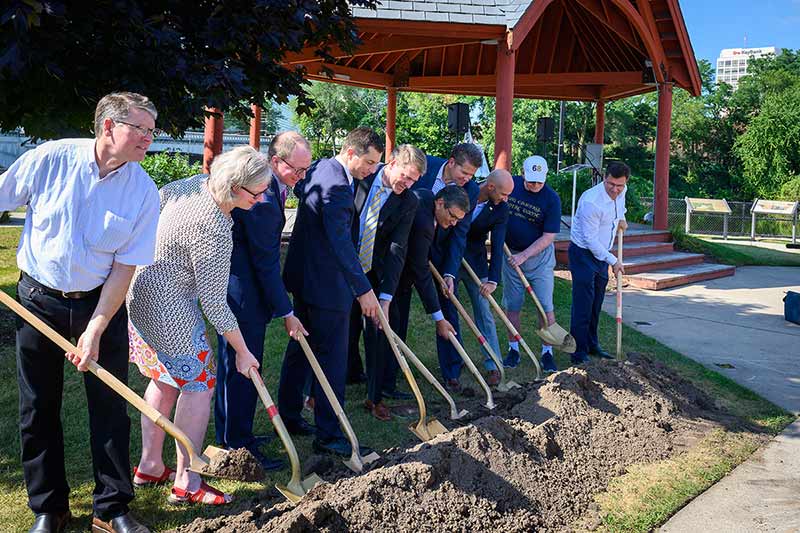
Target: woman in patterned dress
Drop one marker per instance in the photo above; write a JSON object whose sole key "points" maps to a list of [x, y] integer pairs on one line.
{"points": [[168, 340]]}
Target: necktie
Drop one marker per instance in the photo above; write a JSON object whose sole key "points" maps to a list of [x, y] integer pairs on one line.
{"points": [[283, 197], [370, 227]]}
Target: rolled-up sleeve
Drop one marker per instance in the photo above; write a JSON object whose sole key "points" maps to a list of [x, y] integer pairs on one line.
{"points": [[211, 260]]}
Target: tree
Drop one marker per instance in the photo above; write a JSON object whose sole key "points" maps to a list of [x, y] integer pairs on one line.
{"points": [[58, 58]]}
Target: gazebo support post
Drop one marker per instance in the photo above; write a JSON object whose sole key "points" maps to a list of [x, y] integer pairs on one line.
{"points": [[504, 105], [391, 120], [212, 137], [255, 127], [600, 122], [661, 193]]}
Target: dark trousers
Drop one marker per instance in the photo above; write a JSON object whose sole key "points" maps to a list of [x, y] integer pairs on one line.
{"points": [[235, 398], [589, 280], [450, 361], [40, 374], [399, 313], [355, 368], [328, 334]]}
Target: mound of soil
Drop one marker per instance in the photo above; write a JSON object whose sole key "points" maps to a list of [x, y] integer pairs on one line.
{"points": [[534, 463], [236, 464]]}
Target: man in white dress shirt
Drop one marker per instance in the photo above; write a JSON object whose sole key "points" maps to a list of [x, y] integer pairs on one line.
{"points": [[92, 214], [601, 210]]}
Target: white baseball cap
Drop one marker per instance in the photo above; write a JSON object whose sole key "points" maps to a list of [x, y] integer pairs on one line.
{"points": [[535, 168]]}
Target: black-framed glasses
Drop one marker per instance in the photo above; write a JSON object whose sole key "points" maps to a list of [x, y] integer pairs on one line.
{"points": [[255, 195], [144, 132], [298, 171]]}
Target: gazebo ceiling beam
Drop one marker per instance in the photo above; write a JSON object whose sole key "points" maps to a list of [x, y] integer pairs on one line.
{"points": [[608, 41], [382, 45], [686, 45], [345, 74], [611, 19], [578, 37], [524, 80], [652, 43], [528, 20]]}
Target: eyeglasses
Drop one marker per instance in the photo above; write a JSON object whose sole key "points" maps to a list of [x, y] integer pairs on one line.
{"points": [[255, 195], [144, 132], [298, 171]]}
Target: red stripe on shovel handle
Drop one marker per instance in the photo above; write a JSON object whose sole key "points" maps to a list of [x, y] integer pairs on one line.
{"points": [[529, 289], [272, 411], [619, 320], [481, 339], [517, 338]]}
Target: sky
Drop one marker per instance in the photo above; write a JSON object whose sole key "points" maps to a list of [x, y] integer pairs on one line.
{"points": [[717, 24]]}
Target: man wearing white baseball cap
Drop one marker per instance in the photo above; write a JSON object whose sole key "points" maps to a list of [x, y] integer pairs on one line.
{"points": [[533, 223]]}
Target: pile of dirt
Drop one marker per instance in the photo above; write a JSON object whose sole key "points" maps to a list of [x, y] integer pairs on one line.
{"points": [[236, 464], [535, 463]]}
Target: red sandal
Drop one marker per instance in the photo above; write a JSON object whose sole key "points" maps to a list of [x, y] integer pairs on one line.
{"points": [[146, 480], [183, 496]]}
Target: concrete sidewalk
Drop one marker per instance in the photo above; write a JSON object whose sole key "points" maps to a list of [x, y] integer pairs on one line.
{"points": [[735, 326]]}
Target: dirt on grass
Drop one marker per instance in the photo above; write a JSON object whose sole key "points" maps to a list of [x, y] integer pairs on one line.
{"points": [[534, 463], [236, 464]]}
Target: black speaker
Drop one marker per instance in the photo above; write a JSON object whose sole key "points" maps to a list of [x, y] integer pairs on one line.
{"points": [[458, 117], [545, 127]]}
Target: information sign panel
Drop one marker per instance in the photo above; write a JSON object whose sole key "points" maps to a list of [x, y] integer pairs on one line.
{"points": [[708, 205], [774, 207]]}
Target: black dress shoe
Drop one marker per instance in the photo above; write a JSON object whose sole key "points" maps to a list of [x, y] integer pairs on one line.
{"points": [[121, 524], [340, 447], [266, 463], [397, 395], [301, 428], [50, 522], [598, 351]]}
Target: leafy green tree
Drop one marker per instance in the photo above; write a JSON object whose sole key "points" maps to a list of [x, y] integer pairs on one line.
{"points": [[165, 167], [57, 58]]}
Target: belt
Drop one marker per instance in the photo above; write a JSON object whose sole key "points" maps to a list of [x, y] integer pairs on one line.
{"points": [[74, 295]]}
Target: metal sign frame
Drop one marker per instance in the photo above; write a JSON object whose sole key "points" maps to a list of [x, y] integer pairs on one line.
{"points": [[772, 207], [701, 205]]}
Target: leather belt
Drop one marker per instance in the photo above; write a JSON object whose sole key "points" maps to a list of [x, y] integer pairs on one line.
{"points": [[74, 295]]}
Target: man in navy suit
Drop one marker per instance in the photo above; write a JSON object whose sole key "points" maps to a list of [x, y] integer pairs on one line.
{"points": [[324, 275], [434, 215], [256, 294], [385, 209], [448, 250], [489, 216]]}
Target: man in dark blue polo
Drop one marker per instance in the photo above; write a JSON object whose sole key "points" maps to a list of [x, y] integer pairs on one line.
{"points": [[256, 294], [533, 223], [457, 170], [489, 217], [324, 275]]}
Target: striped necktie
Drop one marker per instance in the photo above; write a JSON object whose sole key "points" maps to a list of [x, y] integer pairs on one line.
{"points": [[370, 228]]}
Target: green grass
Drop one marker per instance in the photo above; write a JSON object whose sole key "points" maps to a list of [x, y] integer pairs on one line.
{"points": [[150, 504], [734, 253]]}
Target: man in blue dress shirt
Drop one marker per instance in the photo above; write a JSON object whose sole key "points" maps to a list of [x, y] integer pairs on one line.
{"points": [[91, 218]]}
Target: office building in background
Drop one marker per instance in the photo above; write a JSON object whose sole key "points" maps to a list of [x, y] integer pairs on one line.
{"points": [[732, 62]]}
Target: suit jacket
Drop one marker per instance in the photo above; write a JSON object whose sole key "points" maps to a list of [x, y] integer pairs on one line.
{"points": [[450, 262], [494, 219], [322, 265], [391, 237], [255, 288], [416, 271]]}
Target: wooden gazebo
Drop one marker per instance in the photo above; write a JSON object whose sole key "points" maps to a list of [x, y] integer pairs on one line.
{"points": [[590, 50]]}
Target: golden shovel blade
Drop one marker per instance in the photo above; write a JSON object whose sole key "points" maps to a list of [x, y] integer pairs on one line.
{"points": [[201, 463], [428, 430], [294, 492]]}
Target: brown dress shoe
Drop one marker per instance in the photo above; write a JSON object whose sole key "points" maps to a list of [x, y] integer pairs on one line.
{"points": [[493, 378], [453, 385], [121, 524], [381, 412]]}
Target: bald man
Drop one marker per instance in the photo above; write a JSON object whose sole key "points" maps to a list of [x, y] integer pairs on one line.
{"points": [[534, 222], [489, 216]]}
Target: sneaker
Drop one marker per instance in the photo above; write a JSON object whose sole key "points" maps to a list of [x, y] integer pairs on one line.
{"points": [[548, 363], [512, 359]]}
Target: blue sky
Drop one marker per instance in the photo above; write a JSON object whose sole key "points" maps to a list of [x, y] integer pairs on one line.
{"points": [[717, 24]]}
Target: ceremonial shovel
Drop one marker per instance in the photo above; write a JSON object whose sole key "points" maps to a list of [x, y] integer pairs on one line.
{"points": [[620, 355], [296, 488], [553, 335], [356, 462], [197, 463]]}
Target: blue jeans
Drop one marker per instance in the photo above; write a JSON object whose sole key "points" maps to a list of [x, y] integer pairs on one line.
{"points": [[484, 319]]}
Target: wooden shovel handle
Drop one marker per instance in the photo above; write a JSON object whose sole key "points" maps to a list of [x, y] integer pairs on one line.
{"points": [[528, 287], [104, 375]]}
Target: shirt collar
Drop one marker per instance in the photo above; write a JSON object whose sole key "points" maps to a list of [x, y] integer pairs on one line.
{"points": [[341, 161], [440, 174], [91, 161]]}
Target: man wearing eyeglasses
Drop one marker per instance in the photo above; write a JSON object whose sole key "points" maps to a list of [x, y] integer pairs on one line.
{"points": [[92, 214], [256, 294], [458, 170]]}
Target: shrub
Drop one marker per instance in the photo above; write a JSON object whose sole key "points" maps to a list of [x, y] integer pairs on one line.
{"points": [[165, 167]]}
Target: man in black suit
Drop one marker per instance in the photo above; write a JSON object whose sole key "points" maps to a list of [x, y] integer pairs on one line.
{"points": [[435, 215], [448, 251], [256, 294], [385, 209], [489, 216], [324, 274]]}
